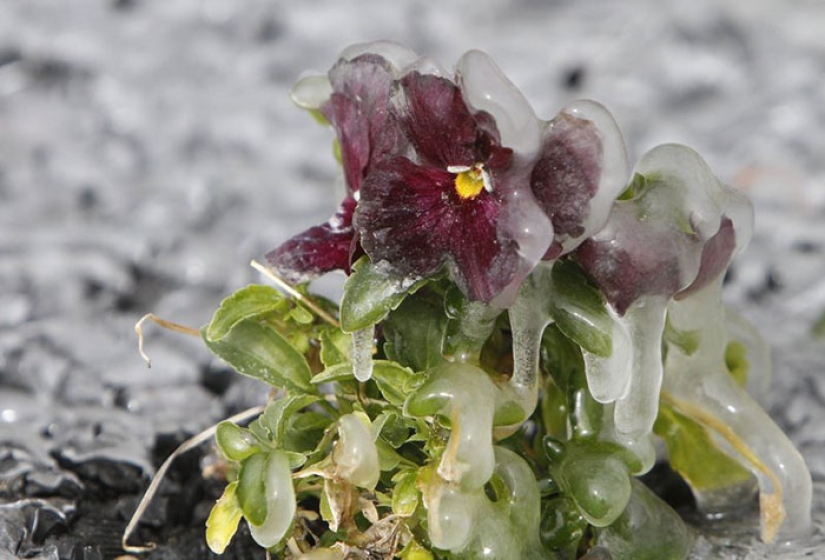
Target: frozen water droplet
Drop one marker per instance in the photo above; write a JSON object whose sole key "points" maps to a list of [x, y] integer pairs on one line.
{"points": [[361, 356]]}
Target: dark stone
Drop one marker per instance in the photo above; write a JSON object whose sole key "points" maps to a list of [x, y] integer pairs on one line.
{"points": [[216, 378]]}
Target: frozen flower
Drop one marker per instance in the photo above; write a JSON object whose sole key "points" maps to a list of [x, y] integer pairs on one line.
{"points": [[354, 98], [444, 203], [676, 233]]}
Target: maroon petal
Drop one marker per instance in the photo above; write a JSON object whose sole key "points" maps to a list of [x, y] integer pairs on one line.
{"points": [[438, 123], [485, 261], [318, 250], [716, 255], [359, 111], [629, 260], [566, 175], [402, 216]]}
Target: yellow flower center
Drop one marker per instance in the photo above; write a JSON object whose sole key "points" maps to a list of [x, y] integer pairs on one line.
{"points": [[469, 183]]}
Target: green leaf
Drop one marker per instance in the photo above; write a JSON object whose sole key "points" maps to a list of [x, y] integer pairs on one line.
{"points": [[247, 303], [686, 341], [370, 293], [580, 309], [414, 332], [251, 492], [304, 431], [647, 530], [335, 347], [694, 454], [223, 520], [236, 443], [393, 428], [405, 494], [333, 374], [259, 351], [277, 414], [393, 380], [736, 360]]}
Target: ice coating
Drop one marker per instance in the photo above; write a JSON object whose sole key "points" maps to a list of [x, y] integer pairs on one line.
{"points": [[758, 355], [355, 455], [396, 54], [699, 385], [614, 167], [468, 524], [280, 502], [486, 88], [311, 91], [466, 395], [608, 378], [361, 354]]}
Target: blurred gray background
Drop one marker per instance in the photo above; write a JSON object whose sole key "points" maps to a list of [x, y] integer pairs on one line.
{"points": [[149, 150]]}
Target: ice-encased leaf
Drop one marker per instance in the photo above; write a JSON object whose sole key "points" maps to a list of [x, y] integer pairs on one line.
{"points": [[279, 496], [235, 442], [259, 351], [355, 455], [370, 293], [251, 489], [247, 303]]}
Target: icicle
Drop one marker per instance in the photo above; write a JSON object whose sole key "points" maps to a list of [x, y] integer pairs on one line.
{"points": [[636, 411], [609, 378], [700, 386], [529, 316], [361, 356], [280, 502]]}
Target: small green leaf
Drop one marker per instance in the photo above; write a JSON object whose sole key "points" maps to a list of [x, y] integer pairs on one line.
{"points": [[259, 351], [392, 380], [736, 360], [333, 374], [405, 495], [686, 341], [236, 443], [694, 454], [277, 414], [414, 332], [247, 303], [304, 430], [251, 492], [580, 309], [223, 520], [335, 347], [370, 293], [301, 315]]}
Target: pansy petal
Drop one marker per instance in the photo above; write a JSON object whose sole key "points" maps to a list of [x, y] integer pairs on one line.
{"points": [[581, 169], [402, 218], [318, 250], [485, 259], [486, 88], [358, 109], [437, 122]]}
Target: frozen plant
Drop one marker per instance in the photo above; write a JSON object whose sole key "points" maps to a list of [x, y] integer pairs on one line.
{"points": [[523, 316]]}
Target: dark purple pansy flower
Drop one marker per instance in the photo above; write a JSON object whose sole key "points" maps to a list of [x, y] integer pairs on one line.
{"points": [[676, 235], [357, 109], [443, 204]]}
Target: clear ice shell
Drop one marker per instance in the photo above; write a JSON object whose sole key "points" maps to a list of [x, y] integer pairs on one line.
{"points": [[615, 169], [486, 88], [311, 91], [280, 502], [700, 386], [355, 455], [400, 56]]}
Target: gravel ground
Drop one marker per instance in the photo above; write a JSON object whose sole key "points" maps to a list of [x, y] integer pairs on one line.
{"points": [[149, 150]]}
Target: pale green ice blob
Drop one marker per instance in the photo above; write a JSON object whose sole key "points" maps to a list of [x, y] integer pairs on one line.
{"points": [[280, 501]]}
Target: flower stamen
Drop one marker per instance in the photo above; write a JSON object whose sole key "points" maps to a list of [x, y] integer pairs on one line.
{"points": [[470, 181]]}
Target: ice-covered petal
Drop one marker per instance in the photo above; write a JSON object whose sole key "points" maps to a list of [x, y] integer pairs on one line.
{"points": [[359, 111], [400, 56], [486, 88], [438, 123], [580, 170], [318, 250]]}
